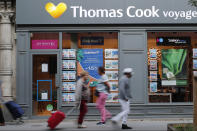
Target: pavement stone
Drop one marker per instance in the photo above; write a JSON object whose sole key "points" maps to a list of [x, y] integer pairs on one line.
{"points": [[69, 125]]}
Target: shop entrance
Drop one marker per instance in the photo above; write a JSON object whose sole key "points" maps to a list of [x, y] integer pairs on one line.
{"points": [[44, 86]]}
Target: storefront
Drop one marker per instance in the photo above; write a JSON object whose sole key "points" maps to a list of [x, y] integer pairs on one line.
{"points": [[57, 40]]}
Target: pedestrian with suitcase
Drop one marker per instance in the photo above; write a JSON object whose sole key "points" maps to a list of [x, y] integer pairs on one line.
{"points": [[102, 91], [124, 97], [2, 121], [82, 97]]}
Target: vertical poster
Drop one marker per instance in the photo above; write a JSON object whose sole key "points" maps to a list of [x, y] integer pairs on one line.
{"points": [[174, 66], [89, 60]]}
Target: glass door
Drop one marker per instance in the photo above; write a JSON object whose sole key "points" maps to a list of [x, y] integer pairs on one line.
{"points": [[44, 84]]}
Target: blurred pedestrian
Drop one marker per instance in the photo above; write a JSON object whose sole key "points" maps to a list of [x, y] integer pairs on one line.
{"points": [[124, 98], [2, 121], [82, 97], [102, 89]]}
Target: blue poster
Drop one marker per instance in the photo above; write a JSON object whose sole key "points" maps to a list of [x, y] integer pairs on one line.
{"points": [[90, 60]]}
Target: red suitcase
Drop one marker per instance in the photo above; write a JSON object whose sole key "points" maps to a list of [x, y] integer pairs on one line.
{"points": [[55, 119]]}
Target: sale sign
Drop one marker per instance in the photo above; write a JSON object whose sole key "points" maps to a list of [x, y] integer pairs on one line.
{"points": [[44, 44], [90, 60]]}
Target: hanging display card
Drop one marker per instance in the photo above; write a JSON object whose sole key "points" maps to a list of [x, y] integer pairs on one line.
{"points": [[69, 53], [153, 75], [69, 64], [112, 75], [113, 97], [113, 86], [69, 75], [111, 64], [111, 53], [153, 86], [153, 64], [195, 53], [69, 86], [68, 97], [195, 64], [153, 53]]}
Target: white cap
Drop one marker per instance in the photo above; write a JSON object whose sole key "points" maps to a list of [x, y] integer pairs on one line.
{"points": [[128, 70]]}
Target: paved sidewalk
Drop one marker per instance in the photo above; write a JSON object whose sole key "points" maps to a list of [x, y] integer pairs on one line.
{"points": [[69, 125]]}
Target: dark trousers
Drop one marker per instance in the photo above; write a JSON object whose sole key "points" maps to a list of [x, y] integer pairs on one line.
{"points": [[1, 116], [83, 111]]}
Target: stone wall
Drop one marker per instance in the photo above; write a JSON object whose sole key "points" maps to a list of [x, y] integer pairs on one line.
{"points": [[7, 48]]}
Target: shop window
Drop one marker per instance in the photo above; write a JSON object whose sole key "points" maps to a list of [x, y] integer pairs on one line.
{"points": [[88, 51], [44, 40], [171, 56]]}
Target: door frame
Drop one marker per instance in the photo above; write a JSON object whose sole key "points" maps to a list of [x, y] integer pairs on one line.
{"points": [[57, 81]]}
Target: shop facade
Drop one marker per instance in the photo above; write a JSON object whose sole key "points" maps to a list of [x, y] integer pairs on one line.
{"points": [[55, 44]]}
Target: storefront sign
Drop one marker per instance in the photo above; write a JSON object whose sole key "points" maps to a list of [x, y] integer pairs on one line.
{"points": [[173, 41], [91, 60], [44, 44], [92, 40], [105, 12]]}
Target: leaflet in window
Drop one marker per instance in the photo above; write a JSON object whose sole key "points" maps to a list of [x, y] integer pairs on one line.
{"points": [[69, 54], [68, 97], [113, 86], [153, 64], [112, 75], [68, 86], [113, 98], [111, 64], [111, 53], [69, 64], [69, 75]]}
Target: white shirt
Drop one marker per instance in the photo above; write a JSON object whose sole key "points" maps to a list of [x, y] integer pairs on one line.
{"points": [[101, 87]]}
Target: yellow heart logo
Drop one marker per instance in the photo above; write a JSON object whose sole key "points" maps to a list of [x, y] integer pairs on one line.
{"points": [[56, 11]]}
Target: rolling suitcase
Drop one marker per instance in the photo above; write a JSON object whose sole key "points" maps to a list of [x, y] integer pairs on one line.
{"points": [[55, 119], [58, 117], [15, 110]]}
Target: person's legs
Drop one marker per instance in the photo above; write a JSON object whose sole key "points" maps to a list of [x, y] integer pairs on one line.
{"points": [[127, 109], [101, 106], [104, 112], [83, 111], [124, 112]]}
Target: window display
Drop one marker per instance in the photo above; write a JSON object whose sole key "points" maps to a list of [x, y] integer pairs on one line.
{"points": [[86, 52], [170, 66]]}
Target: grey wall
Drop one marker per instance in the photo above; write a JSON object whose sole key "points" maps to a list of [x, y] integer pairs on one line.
{"points": [[133, 50], [23, 88], [33, 11]]}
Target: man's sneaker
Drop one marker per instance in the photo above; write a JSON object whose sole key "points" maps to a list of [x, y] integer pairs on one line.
{"points": [[100, 123], [124, 126], [82, 126]]}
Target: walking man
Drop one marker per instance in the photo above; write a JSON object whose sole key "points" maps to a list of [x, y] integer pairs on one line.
{"points": [[124, 98]]}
